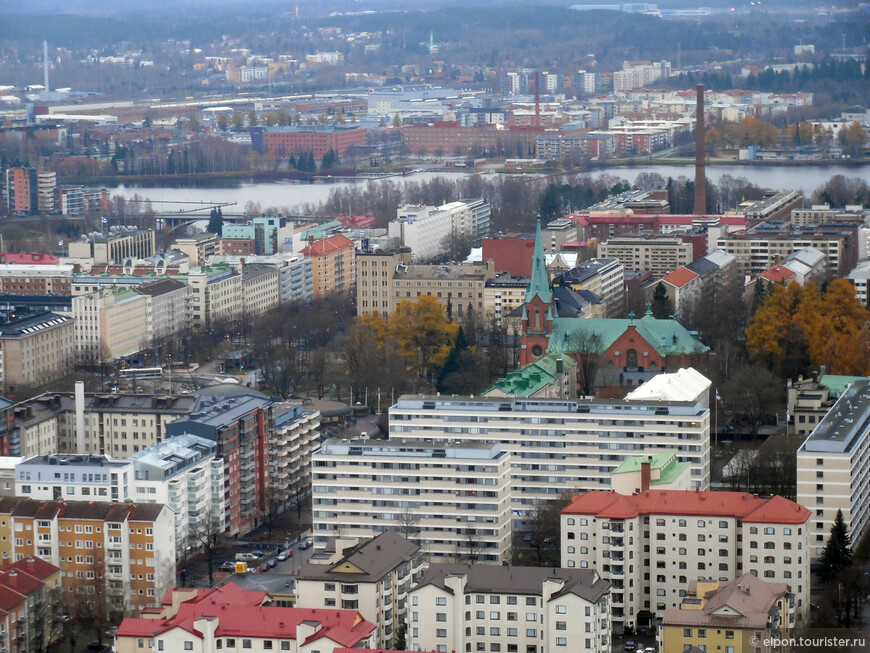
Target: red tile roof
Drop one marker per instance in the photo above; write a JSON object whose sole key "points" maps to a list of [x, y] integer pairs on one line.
{"points": [[741, 505], [30, 259], [240, 615], [34, 566], [327, 245], [679, 277], [777, 274]]}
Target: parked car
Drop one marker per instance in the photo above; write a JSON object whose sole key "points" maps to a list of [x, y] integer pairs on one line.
{"points": [[305, 545], [247, 557], [285, 555], [228, 565], [272, 562], [258, 553], [630, 645], [649, 649]]}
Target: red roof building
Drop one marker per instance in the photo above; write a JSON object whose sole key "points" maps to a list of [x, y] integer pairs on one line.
{"points": [[333, 264], [23, 585], [230, 613], [29, 259]]}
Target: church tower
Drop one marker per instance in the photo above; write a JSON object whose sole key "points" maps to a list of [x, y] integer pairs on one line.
{"points": [[538, 309]]}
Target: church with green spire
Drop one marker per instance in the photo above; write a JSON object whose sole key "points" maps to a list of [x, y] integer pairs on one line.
{"points": [[626, 351]]}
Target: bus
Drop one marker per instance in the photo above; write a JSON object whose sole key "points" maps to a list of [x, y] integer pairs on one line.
{"points": [[140, 373]]}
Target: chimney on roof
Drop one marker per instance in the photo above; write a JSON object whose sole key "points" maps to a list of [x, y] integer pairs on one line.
{"points": [[645, 475], [700, 170]]}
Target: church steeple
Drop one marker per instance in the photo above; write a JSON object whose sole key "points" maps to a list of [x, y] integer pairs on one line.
{"points": [[539, 284]]}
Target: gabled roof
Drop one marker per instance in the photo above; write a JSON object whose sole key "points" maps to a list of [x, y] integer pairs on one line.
{"points": [[373, 558], [327, 245], [667, 337], [777, 274], [680, 277], [686, 384], [528, 380], [740, 505]]}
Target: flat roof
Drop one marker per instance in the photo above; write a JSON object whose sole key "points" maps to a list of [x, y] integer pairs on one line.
{"points": [[845, 424]]}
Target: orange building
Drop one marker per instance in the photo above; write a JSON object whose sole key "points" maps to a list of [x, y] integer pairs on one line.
{"points": [[333, 264], [29, 605], [318, 139]]}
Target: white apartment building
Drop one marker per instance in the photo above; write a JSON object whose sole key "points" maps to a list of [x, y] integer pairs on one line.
{"points": [[560, 445], [116, 247], [34, 431], [261, 289], [651, 545], [215, 295], [451, 499], [469, 608], [66, 477], [110, 324], [424, 228], [294, 436], [656, 255], [185, 474], [755, 253], [35, 349], [859, 277], [824, 214], [604, 277], [167, 311], [833, 467], [371, 576]]}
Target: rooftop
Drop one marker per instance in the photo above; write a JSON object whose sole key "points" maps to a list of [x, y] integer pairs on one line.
{"points": [[686, 384], [367, 561], [32, 324], [473, 272], [846, 423], [532, 378], [401, 448]]}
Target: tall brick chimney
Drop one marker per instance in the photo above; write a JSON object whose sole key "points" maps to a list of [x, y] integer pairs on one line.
{"points": [[700, 172]]}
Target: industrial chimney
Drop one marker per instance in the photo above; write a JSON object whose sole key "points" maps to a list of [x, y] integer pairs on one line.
{"points": [[45, 64], [700, 172], [80, 417]]}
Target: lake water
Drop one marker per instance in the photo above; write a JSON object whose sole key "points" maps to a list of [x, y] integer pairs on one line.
{"points": [[295, 195]]}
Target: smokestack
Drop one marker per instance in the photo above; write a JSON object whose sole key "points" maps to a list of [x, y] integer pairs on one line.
{"points": [[645, 475], [700, 172], [537, 100], [45, 64], [80, 417]]}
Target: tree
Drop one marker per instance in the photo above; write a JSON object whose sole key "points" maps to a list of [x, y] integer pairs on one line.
{"points": [[253, 119], [215, 222], [408, 523], [837, 554], [586, 348], [853, 139], [238, 121], [423, 332], [202, 540], [662, 306], [455, 246], [751, 392], [544, 530], [330, 159], [147, 122]]}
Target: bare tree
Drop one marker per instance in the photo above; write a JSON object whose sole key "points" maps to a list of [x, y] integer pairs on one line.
{"points": [[586, 348], [409, 524]]}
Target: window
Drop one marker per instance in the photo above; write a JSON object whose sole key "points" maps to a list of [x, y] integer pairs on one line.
{"points": [[511, 600], [561, 609], [441, 632], [561, 625], [246, 643], [495, 615], [495, 600], [188, 646], [530, 600], [702, 632], [561, 641], [495, 632], [531, 632], [440, 600], [441, 616], [687, 632]]}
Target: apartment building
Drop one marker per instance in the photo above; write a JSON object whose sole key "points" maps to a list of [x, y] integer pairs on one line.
{"points": [[261, 289], [833, 467], [215, 295], [774, 205], [294, 436], [451, 499], [656, 255], [553, 376], [333, 264], [652, 544], [34, 431], [659, 472], [186, 474], [860, 278], [423, 229], [502, 296], [110, 324], [375, 270], [809, 400], [604, 277], [300, 139], [268, 233], [65, 477], [199, 248], [30, 609], [756, 252], [460, 607], [371, 576], [229, 618], [29, 190], [559, 444], [239, 421], [167, 309], [115, 247], [736, 616], [123, 552], [35, 279], [35, 349], [823, 214]]}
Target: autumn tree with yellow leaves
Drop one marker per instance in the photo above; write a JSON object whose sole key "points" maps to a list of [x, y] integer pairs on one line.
{"points": [[798, 329]]}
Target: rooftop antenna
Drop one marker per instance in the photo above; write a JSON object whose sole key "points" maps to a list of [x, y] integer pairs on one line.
{"points": [[45, 64]]}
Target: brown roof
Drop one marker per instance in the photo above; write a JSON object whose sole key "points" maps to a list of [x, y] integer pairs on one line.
{"points": [[376, 557]]}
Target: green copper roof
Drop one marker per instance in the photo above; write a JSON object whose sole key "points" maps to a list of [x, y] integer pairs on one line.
{"points": [[836, 383], [666, 463], [532, 378], [668, 337], [539, 284]]}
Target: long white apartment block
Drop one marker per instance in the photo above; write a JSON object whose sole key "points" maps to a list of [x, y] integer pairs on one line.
{"points": [[833, 467], [561, 445], [452, 499]]}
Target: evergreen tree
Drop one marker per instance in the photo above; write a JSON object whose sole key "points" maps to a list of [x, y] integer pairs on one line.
{"points": [[662, 306], [759, 294], [293, 162], [837, 554], [215, 222]]}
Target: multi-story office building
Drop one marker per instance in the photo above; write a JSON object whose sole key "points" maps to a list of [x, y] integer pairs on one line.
{"points": [[775, 205], [559, 445], [375, 270], [452, 499], [371, 576], [185, 474], [167, 310], [457, 607], [110, 324], [120, 553], [604, 277], [736, 616], [261, 289], [651, 545], [30, 594], [113, 248], [833, 467], [35, 349], [215, 295], [36, 279], [238, 420], [333, 264], [656, 255], [66, 477]]}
